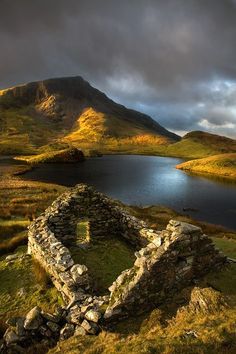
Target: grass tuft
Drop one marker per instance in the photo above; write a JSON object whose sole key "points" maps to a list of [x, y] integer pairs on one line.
{"points": [[40, 274]]}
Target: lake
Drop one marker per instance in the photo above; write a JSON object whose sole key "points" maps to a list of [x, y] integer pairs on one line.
{"points": [[148, 180]]}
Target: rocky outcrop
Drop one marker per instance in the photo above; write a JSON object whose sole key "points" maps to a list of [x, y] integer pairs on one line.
{"points": [[166, 262]]}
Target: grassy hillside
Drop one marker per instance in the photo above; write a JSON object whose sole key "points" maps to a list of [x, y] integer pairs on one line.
{"points": [[200, 320], [220, 165], [199, 144], [69, 155], [193, 145], [22, 131], [39, 113]]}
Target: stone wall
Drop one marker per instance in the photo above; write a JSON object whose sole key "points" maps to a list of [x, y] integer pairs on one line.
{"points": [[56, 227], [177, 258], [168, 261]]}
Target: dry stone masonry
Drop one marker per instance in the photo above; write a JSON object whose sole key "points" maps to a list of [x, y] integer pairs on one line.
{"points": [[166, 262]]}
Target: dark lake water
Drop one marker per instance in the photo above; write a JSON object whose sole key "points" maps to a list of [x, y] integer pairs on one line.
{"points": [[148, 180]]}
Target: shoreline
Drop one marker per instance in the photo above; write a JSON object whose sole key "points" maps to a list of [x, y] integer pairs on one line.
{"points": [[206, 174]]}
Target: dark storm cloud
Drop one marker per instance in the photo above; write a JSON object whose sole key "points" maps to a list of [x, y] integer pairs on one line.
{"points": [[173, 59]]}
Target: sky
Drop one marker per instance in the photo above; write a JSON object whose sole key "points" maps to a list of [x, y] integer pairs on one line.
{"points": [[174, 60]]}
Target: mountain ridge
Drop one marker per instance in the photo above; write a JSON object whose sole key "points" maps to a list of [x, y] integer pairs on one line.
{"points": [[55, 97], [38, 116]]}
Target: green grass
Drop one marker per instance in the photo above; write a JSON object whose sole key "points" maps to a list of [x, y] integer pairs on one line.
{"points": [[65, 155], [165, 330], [20, 203], [11, 227], [228, 247], [199, 144], [23, 131], [106, 257], [221, 165], [20, 289]]}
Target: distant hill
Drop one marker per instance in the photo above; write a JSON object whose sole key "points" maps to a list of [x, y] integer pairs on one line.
{"points": [[71, 110], [199, 144], [220, 165]]}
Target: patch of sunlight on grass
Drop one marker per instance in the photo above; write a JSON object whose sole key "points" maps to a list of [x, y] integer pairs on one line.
{"points": [[106, 257], [228, 247]]}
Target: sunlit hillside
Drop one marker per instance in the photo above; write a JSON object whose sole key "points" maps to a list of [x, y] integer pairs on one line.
{"points": [[40, 113], [221, 165], [199, 144]]}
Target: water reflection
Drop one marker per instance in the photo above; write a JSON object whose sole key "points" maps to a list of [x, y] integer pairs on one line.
{"points": [[149, 180]]}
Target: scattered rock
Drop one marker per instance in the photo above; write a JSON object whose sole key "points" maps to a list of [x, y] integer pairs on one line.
{"points": [[80, 331], [33, 319], [45, 331], [93, 315], [75, 315], [205, 300], [10, 337], [86, 325], [21, 292], [67, 331], [53, 326], [90, 327], [50, 317], [12, 257], [77, 270]]}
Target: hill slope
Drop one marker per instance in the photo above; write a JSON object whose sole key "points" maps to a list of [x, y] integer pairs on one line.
{"points": [[40, 112], [199, 144], [221, 165]]}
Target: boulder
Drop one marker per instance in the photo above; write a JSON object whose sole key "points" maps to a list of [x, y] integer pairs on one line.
{"points": [[33, 319], [67, 331], [50, 317], [12, 257], [45, 331], [80, 331], [77, 270], [54, 327], [90, 327], [93, 315], [74, 316], [10, 337]]}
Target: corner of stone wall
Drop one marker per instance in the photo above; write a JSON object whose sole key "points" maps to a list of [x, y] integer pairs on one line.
{"points": [[175, 258]]}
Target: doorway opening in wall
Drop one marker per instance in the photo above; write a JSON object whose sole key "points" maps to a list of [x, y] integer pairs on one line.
{"points": [[83, 233], [105, 256]]}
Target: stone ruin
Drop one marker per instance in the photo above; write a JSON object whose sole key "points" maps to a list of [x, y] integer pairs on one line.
{"points": [[166, 262]]}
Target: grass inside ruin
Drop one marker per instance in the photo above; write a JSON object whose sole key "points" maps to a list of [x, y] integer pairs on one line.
{"points": [[106, 257]]}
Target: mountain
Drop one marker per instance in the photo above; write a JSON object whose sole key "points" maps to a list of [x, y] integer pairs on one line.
{"points": [[69, 109], [198, 144]]}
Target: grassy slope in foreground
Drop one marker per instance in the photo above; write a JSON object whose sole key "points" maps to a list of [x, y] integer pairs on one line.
{"points": [[158, 332], [221, 165]]}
